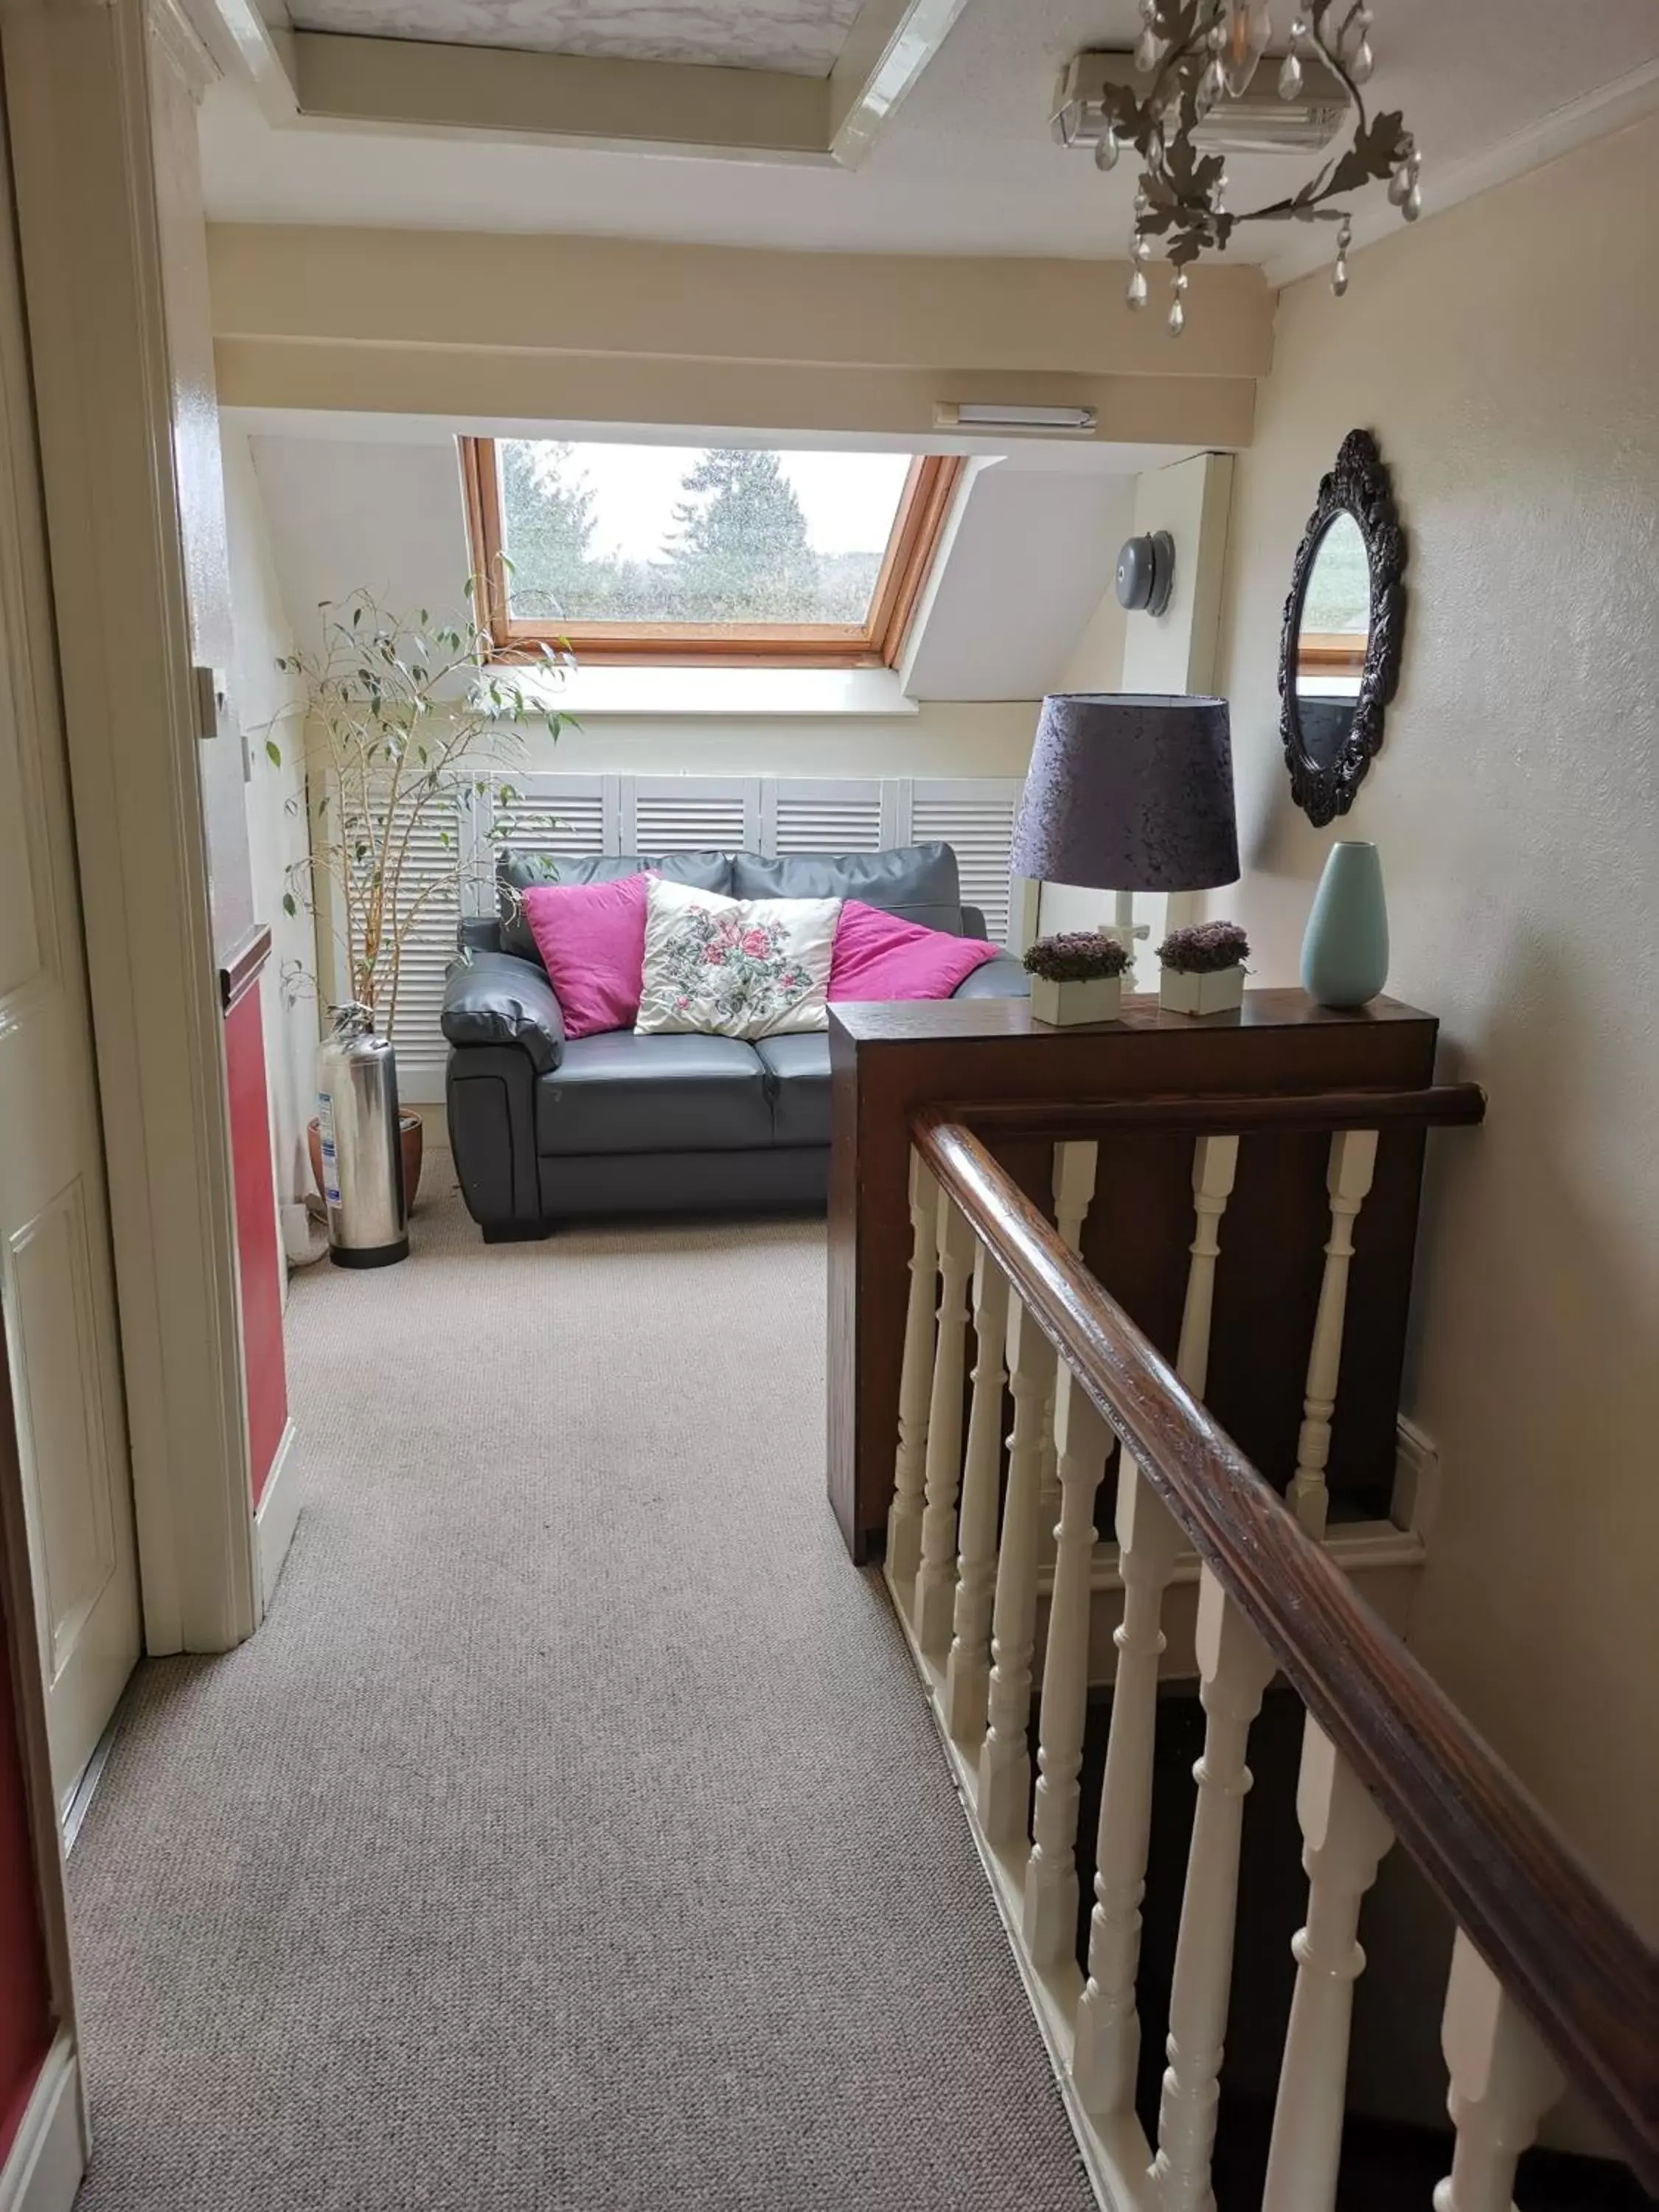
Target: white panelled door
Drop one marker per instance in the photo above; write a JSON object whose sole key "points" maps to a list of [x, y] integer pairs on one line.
{"points": [[56, 1289]]}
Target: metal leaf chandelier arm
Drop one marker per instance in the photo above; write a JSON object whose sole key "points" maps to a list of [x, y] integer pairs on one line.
{"points": [[1196, 54]]}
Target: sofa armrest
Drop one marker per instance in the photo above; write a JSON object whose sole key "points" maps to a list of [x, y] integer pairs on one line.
{"points": [[495, 998], [1005, 977], [972, 924]]}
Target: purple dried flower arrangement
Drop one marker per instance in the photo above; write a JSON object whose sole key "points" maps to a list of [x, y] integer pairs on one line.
{"points": [[1205, 949], [1080, 956]]}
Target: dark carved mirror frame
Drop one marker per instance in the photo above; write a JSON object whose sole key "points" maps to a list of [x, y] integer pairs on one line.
{"points": [[1359, 485]]}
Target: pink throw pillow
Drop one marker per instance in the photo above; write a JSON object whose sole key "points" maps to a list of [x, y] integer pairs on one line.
{"points": [[881, 956], [592, 940]]}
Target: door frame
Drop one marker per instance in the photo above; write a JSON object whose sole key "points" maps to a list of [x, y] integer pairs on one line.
{"points": [[48, 2154], [78, 91]]}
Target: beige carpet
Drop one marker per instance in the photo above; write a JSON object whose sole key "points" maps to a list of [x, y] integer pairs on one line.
{"points": [[572, 1835]]}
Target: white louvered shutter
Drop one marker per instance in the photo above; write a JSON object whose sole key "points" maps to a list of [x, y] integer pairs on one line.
{"points": [[800, 815], [691, 814], [561, 814], [976, 819], [427, 954]]}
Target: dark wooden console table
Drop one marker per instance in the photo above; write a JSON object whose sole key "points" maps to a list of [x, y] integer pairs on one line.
{"points": [[888, 1061]]}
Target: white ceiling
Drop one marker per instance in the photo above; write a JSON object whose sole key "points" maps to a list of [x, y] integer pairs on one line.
{"points": [[967, 166], [802, 36]]}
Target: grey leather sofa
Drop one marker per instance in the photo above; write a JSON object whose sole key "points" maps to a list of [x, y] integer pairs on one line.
{"points": [[547, 1128]]}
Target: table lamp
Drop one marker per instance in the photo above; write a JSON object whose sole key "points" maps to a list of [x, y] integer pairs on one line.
{"points": [[1129, 792]]}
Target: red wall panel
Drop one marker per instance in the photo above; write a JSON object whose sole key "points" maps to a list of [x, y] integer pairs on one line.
{"points": [[262, 1357]]}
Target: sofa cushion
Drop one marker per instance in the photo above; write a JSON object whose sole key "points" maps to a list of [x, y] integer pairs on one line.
{"points": [[624, 1093], [1005, 977], [883, 957], [917, 881], [735, 968], [592, 940], [797, 1074], [515, 872]]}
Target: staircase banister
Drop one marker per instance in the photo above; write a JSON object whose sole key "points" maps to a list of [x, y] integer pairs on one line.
{"points": [[1573, 1961], [1445, 1105]]}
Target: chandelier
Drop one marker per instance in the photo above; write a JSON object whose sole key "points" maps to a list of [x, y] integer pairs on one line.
{"points": [[1199, 54]]}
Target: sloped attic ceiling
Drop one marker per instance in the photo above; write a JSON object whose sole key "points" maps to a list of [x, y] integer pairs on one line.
{"points": [[1029, 554]]}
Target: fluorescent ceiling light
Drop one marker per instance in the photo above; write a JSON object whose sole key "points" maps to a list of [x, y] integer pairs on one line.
{"points": [[987, 415]]}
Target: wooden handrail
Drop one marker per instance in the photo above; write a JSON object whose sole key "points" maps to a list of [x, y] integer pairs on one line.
{"points": [[1439, 1106], [1571, 1960]]}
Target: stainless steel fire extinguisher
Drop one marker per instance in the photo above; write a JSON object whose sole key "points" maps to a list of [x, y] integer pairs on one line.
{"points": [[362, 1155]]}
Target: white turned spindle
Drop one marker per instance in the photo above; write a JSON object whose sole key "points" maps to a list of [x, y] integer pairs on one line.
{"points": [[1106, 2052], [1344, 1837], [1004, 1760], [1073, 1184], [1235, 1670], [1503, 2082], [935, 1575], [915, 1377], [1348, 1179], [1215, 1162], [1049, 1917], [968, 1670]]}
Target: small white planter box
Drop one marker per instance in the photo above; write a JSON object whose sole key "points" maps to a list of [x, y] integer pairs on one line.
{"points": [[1060, 1005], [1218, 992]]}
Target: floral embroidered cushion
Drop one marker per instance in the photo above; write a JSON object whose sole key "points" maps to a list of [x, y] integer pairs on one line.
{"points": [[736, 968], [881, 956], [592, 940]]}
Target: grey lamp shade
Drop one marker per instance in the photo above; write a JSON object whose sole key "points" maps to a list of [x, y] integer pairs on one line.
{"points": [[1129, 792]]}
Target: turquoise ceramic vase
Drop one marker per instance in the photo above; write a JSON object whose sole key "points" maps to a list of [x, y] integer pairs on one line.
{"points": [[1344, 953]]}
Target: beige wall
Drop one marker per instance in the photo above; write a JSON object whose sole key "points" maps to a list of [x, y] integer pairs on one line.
{"points": [[1506, 355]]}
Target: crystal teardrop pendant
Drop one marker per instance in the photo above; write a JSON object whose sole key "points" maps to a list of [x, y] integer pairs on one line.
{"points": [[1177, 320], [1248, 25], [1140, 249], [1340, 275], [1212, 85], [1106, 149], [1398, 184], [1411, 206], [1354, 29], [1138, 291], [1290, 77], [1363, 62], [1148, 51]]}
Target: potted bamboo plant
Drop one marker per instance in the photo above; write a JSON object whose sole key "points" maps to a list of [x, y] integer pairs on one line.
{"points": [[411, 728]]}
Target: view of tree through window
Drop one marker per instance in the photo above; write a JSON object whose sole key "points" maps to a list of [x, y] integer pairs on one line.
{"points": [[672, 534]]}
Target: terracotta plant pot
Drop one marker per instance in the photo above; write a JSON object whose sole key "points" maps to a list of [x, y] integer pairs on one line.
{"points": [[412, 1131]]}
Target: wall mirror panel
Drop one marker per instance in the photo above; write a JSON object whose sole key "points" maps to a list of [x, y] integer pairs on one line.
{"points": [[1340, 648]]}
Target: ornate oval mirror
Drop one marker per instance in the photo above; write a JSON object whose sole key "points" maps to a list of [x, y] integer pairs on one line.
{"points": [[1340, 650]]}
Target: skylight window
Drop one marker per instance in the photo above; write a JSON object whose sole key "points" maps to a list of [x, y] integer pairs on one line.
{"points": [[665, 553]]}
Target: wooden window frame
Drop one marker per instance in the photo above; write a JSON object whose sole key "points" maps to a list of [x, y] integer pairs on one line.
{"points": [[912, 545]]}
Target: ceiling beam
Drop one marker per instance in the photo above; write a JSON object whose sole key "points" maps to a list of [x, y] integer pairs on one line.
{"points": [[410, 84]]}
